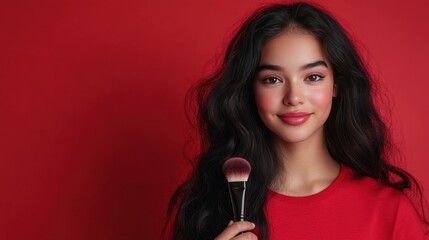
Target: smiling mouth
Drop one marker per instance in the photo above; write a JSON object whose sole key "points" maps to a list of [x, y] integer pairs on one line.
{"points": [[295, 118]]}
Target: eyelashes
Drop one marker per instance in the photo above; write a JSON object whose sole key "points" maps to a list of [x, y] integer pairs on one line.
{"points": [[271, 80], [277, 80], [314, 78]]}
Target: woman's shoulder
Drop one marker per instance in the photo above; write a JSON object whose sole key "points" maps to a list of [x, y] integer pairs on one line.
{"points": [[369, 188], [368, 194]]}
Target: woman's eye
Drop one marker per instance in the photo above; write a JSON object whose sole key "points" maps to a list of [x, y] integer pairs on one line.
{"points": [[314, 78], [271, 80]]}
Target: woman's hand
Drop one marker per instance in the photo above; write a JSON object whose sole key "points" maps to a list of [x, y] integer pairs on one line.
{"points": [[238, 231]]}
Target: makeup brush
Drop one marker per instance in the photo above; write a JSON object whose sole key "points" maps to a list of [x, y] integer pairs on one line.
{"points": [[237, 171]]}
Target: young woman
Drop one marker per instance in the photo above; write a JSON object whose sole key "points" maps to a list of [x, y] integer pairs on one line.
{"points": [[294, 98]]}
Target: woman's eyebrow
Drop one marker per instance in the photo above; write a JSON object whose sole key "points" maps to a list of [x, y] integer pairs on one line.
{"points": [[263, 67], [314, 64]]}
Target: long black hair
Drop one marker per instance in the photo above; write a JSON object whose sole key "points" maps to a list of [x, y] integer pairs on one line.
{"points": [[228, 123]]}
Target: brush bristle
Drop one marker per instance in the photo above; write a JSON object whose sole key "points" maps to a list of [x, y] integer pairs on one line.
{"points": [[236, 169]]}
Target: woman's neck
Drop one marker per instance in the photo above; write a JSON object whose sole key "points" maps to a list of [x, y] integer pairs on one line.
{"points": [[306, 168]]}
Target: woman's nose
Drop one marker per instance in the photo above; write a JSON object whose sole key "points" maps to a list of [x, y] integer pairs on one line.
{"points": [[294, 95]]}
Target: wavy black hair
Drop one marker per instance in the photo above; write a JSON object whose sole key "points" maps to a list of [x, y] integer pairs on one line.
{"points": [[229, 125]]}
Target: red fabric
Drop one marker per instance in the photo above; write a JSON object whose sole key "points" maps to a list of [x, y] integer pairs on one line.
{"points": [[352, 207]]}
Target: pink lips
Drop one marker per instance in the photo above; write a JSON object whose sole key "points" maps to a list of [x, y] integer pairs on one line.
{"points": [[295, 118]]}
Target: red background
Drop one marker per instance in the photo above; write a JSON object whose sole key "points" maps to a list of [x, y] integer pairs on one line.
{"points": [[92, 124]]}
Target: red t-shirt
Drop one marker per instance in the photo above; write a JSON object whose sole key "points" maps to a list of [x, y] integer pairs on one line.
{"points": [[352, 207]]}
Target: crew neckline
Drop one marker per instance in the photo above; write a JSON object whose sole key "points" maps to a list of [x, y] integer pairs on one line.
{"points": [[344, 171]]}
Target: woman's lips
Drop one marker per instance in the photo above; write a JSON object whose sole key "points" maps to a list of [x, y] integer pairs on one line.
{"points": [[295, 118]]}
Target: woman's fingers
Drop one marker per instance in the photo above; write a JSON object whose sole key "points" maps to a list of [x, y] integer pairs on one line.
{"points": [[235, 228], [246, 236]]}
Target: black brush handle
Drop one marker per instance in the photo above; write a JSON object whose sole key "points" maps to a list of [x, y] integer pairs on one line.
{"points": [[237, 192]]}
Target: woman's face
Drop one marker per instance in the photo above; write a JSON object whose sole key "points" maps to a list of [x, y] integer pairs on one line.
{"points": [[294, 87]]}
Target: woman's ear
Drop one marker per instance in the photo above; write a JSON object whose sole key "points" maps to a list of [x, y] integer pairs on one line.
{"points": [[335, 90]]}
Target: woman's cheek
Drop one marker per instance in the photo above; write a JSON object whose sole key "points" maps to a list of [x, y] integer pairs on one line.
{"points": [[322, 97], [265, 101]]}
